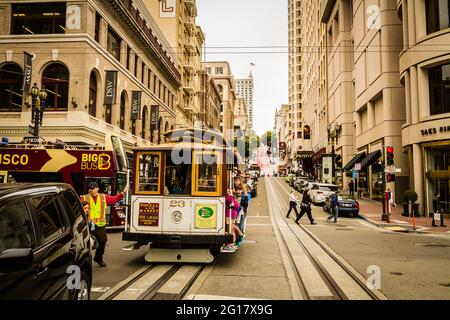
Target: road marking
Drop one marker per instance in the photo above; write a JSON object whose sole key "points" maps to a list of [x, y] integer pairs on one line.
{"points": [[100, 289], [179, 280], [122, 283]]}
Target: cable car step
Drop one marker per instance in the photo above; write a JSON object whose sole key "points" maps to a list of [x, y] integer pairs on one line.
{"points": [[179, 255]]}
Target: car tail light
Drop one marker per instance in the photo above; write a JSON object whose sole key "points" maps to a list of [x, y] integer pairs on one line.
{"points": [[357, 205], [319, 192]]}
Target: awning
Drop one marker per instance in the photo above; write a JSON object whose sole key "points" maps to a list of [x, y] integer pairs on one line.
{"points": [[370, 159], [349, 166]]}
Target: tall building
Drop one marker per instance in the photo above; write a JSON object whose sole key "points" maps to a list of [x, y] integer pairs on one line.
{"points": [[96, 59], [244, 89], [366, 101], [222, 76], [425, 74], [177, 21], [241, 119], [313, 68], [298, 144]]}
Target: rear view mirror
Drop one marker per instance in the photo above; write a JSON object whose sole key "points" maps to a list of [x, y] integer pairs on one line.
{"points": [[14, 260]]}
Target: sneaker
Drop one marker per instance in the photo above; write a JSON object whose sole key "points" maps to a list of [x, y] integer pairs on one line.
{"points": [[229, 248]]}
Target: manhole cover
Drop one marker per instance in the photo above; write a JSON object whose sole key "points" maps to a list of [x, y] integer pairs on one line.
{"points": [[447, 285], [396, 273], [437, 245]]}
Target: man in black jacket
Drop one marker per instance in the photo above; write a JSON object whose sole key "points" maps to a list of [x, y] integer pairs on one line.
{"points": [[437, 209], [306, 208]]}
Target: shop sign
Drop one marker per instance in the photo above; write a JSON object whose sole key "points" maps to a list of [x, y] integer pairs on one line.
{"points": [[205, 216], [432, 131], [149, 214]]}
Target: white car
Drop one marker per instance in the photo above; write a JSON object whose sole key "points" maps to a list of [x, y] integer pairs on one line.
{"points": [[321, 191]]}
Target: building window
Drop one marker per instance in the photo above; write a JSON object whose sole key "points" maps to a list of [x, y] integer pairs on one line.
{"points": [[122, 110], [11, 78], [439, 79], [438, 15], [219, 70], [128, 58], [113, 45], [306, 133], [38, 18], [55, 79], [208, 70], [136, 62], [93, 94], [144, 122], [98, 19]]}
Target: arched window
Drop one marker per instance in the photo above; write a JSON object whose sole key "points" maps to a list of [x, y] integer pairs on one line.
{"points": [[144, 121], [123, 101], [93, 94], [306, 133], [11, 78], [55, 79], [220, 87]]}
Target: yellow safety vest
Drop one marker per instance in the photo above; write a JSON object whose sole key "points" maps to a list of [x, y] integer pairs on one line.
{"points": [[97, 211]]}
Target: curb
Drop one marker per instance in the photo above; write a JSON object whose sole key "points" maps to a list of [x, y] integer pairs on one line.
{"points": [[384, 225]]}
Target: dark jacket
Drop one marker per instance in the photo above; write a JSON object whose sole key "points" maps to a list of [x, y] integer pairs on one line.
{"points": [[306, 198], [436, 205]]}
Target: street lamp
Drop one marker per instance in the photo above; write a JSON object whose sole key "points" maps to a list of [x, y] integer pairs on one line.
{"points": [[38, 107], [331, 138]]}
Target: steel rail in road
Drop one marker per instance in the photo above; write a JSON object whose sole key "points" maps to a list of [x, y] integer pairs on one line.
{"points": [[156, 282], [322, 274]]}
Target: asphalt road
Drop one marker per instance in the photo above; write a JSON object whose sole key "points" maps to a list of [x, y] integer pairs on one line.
{"points": [[412, 266]]}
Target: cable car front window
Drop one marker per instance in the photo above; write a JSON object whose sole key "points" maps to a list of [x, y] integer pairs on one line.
{"points": [[149, 173], [207, 174]]}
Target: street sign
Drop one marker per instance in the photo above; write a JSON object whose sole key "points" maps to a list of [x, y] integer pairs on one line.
{"points": [[392, 169], [398, 170], [357, 166], [355, 174], [31, 139]]}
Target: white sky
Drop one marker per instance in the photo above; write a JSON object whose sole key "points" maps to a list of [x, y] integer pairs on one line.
{"points": [[251, 23]]}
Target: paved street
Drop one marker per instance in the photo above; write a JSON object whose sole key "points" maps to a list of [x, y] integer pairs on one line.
{"points": [[413, 266]]}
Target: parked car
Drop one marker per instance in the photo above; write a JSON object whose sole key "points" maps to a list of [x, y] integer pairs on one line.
{"points": [[299, 181], [346, 204], [288, 179], [44, 241], [305, 185], [320, 191], [253, 187]]}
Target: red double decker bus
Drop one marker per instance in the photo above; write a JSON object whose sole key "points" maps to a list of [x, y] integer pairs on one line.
{"points": [[76, 165]]}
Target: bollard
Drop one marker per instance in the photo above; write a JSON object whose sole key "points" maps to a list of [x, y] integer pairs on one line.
{"points": [[413, 215]]}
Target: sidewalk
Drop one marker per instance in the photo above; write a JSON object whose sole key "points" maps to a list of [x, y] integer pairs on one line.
{"points": [[371, 211]]}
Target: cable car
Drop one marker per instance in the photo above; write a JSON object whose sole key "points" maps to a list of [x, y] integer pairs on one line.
{"points": [[178, 197]]}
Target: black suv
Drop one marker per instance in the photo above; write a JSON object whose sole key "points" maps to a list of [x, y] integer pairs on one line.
{"points": [[44, 243]]}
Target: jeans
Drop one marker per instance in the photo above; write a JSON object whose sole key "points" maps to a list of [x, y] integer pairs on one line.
{"points": [[335, 211], [292, 205], [243, 221]]}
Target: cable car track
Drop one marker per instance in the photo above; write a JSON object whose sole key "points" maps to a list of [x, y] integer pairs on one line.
{"points": [[332, 277], [156, 282]]}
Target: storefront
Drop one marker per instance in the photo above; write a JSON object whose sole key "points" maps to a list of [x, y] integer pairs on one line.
{"points": [[437, 158]]}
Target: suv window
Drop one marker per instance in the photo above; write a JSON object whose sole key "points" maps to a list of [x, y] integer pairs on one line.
{"points": [[315, 187], [328, 188], [73, 202], [48, 217], [16, 231]]}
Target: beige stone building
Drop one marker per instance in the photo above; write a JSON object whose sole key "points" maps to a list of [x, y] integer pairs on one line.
{"points": [[295, 141], [222, 75], [176, 20], [241, 117], [210, 100], [74, 44], [282, 131], [245, 89], [425, 73], [365, 97]]}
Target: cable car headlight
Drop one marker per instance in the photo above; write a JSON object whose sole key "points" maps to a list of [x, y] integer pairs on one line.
{"points": [[177, 216]]}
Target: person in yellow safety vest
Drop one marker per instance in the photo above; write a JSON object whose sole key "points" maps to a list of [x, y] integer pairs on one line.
{"points": [[98, 203]]}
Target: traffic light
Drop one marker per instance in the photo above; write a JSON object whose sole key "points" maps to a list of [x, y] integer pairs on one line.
{"points": [[390, 178], [390, 156]]}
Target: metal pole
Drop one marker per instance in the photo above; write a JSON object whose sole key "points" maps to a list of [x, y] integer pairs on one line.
{"points": [[333, 168], [383, 166]]}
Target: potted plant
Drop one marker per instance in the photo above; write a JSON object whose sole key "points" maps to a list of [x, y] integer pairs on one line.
{"points": [[412, 196]]}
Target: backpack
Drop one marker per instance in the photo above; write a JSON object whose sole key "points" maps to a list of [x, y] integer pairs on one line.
{"points": [[244, 201]]}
